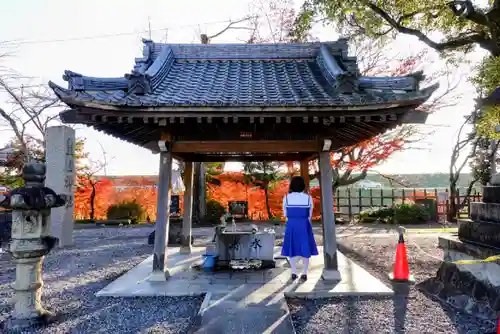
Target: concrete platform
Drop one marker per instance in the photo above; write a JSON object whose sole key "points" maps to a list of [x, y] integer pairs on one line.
{"points": [[245, 301], [186, 281]]}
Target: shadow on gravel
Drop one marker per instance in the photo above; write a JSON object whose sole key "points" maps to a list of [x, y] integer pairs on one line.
{"points": [[73, 276], [76, 262], [400, 301], [404, 293], [131, 315]]}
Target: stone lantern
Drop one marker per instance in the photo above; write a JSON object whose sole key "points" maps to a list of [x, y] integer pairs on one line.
{"points": [[31, 241]]}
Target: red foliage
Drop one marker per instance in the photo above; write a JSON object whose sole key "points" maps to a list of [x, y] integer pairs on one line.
{"points": [[367, 154], [232, 188], [103, 188]]}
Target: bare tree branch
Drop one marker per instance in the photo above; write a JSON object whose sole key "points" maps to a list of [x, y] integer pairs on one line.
{"points": [[232, 25], [391, 179], [27, 112]]}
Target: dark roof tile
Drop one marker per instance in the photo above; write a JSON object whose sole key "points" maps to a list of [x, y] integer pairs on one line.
{"points": [[311, 74]]}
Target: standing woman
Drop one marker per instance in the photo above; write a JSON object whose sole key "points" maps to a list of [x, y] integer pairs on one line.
{"points": [[299, 238]]}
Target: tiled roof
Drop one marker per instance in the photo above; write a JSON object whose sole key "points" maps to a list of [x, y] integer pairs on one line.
{"points": [[242, 75]]}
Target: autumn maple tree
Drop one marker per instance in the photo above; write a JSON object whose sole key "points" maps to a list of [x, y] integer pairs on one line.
{"points": [[276, 21], [264, 175], [141, 190], [352, 164], [90, 189]]}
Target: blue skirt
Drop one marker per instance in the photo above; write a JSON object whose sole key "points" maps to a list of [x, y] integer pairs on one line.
{"points": [[299, 238]]}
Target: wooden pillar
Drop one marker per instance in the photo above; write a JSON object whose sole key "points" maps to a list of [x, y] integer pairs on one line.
{"points": [[304, 172], [160, 269], [330, 271], [187, 220], [199, 192], [203, 188]]}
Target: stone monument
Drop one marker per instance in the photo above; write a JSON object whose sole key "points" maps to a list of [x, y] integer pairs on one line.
{"points": [[61, 176], [473, 287], [31, 240]]}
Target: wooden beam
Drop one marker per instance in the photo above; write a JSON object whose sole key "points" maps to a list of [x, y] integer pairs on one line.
{"points": [[262, 146], [241, 158]]}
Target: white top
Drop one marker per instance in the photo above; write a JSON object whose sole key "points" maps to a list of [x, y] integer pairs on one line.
{"points": [[298, 199]]}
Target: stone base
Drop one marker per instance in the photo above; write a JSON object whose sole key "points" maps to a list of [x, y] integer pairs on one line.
{"points": [[185, 250], [174, 237], [331, 275], [491, 194], [488, 212], [481, 233], [225, 265], [159, 276], [471, 288], [14, 325]]}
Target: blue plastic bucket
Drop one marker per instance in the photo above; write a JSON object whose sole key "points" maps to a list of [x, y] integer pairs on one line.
{"points": [[209, 262]]}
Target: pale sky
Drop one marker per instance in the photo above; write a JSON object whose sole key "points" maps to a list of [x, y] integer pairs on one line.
{"points": [[102, 38]]}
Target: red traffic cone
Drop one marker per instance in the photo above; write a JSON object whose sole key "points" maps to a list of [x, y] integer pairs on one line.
{"points": [[401, 271]]}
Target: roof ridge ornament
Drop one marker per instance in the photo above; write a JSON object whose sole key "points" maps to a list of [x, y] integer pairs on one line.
{"points": [[138, 82], [75, 80], [79, 82], [342, 79]]}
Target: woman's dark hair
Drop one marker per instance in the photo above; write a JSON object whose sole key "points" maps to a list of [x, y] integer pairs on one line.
{"points": [[297, 184]]}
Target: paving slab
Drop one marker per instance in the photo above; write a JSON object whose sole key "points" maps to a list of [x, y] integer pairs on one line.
{"points": [[187, 281], [230, 316], [244, 301]]}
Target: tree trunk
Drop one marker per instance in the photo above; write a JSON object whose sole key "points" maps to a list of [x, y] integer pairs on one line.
{"points": [[203, 190], [268, 207], [92, 201], [452, 212], [196, 194], [199, 193]]}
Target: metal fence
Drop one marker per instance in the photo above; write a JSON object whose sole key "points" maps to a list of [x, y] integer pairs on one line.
{"points": [[351, 201]]}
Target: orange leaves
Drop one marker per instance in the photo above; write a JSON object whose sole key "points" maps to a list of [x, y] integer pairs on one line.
{"points": [[145, 195], [83, 193], [232, 188]]}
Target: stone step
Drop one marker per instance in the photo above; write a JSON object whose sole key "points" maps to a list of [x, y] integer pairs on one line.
{"points": [[491, 194], [234, 315], [480, 232], [471, 288], [489, 212]]}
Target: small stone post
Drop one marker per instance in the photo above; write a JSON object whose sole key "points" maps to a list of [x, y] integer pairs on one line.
{"points": [[30, 207]]}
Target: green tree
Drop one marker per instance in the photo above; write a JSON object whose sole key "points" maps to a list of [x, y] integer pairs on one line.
{"points": [[463, 25], [264, 175]]}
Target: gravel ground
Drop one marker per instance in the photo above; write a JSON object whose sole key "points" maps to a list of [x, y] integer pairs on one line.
{"points": [[73, 276], [411, 312]]}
